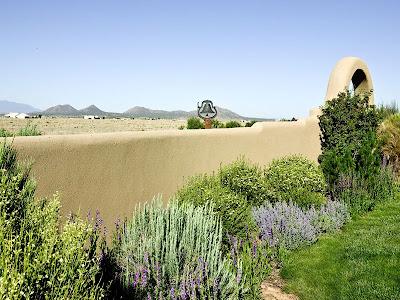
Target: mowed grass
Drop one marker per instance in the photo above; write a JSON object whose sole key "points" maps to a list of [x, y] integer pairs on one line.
{"points": [[361, 262]]}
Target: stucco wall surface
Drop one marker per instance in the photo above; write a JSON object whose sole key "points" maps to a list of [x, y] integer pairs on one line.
{"points": [[112, 172], [342, 74]]}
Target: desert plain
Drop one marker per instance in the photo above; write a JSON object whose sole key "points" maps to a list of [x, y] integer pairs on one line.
{"points": [[65, 125]]}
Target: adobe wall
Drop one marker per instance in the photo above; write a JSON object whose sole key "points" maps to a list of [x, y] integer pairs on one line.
{"points": [[113, 172]]}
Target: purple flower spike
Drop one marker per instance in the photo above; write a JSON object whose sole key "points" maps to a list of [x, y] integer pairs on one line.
{"points": [[145, 271], [254, 248], [172, 293], [182, 291], [136, 280]]}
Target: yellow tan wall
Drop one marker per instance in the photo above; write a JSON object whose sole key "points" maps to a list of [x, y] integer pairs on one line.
{"points": [[342, 74], [113, 172]]}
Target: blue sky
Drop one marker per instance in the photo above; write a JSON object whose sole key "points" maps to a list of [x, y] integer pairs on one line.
{"points": [[257, 58]]}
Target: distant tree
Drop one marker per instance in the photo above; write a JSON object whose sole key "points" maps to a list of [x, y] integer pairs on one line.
{"points": [[250, 123], [217, 124], [232, 124]]}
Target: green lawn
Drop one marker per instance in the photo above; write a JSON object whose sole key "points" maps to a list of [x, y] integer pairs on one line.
{"points": [[361, 262]]}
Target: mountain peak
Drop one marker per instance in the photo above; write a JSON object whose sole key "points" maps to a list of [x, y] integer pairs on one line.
{"points": [[62, 110], [9, 106], [92, 110]]}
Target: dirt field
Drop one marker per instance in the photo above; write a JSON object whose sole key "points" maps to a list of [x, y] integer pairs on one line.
{"points": [[52, 126]]}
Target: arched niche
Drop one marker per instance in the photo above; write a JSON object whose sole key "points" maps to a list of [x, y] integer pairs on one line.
{"points": [[350, 70]]}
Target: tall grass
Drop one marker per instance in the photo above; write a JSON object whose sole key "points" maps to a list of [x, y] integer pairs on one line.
{"points": [[389, 133], [386, 110], [29, 130], [5, 133]]}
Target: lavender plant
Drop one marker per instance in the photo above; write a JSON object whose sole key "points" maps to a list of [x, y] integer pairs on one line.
{"points": [[285, 224], [254, 255], [175, 253]]}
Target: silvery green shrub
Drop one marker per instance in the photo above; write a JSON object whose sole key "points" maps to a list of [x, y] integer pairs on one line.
{"points": [[287, 225], [174, 252], [296, 178], [39, 257]]}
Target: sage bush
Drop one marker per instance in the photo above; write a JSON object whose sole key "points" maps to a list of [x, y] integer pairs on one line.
{"points": [[175, 253]]}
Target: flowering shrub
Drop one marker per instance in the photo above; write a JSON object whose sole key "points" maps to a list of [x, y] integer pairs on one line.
{"points": [[289, 226], [297, 179], [362, 194], [175, 253], [39, 257], [254, 255]]}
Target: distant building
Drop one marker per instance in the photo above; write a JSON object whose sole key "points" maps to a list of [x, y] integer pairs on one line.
{"points": [[23, 116], [17, 115], [91, 117], [11, 115]]}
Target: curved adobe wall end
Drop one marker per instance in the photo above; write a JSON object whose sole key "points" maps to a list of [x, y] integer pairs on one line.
{"points": [[349, 69]]}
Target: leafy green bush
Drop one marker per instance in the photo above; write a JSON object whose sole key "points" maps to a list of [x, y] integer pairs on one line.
{"points": [[232, 124], [351, 152], [5, 133], [233, 209], [215, 123], [175, 252], [248, 180], [17, 188], [37, 259], [195, 123], [250, 123], [29, 130], [297, 179], [348, 126]]}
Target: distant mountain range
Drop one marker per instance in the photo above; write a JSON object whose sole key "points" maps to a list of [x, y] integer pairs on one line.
{"points": [[8, 106], [139, 111], [134, 112]]}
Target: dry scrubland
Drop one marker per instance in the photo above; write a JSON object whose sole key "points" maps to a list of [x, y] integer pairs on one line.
{"points": [[51, 126]]}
